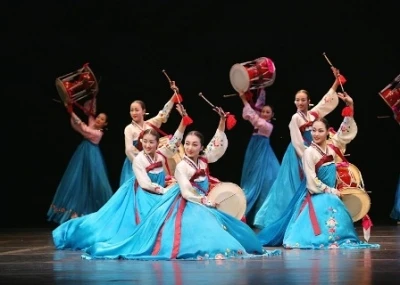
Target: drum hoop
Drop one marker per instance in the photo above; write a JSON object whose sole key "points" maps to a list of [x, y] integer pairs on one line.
{"points": [[62, 91], [94, 77], [243, 69], [361, 193], [240, 194]]}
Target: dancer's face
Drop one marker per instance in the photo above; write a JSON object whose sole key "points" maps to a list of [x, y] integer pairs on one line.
{"points": [[101, 121], [137, 112], [319, 132], [267, 113], [301, 101], [192, 146], [150, 144]]}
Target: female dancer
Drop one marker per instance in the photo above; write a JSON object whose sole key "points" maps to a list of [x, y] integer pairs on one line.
{"points": [[136, 127], [131, 202], [316, 218], [186, 224], [290, 173], [84, 187], [395, 214], [260, 166]]}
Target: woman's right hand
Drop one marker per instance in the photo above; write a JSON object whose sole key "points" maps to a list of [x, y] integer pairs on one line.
{"points": [[181, 110], [159, 190], [335, 192], [207, 202]]}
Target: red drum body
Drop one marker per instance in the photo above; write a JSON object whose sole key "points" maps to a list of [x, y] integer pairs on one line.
{"points": [[256, 74], [173, 161], [75, 87], [348, 175], [391, 95]]}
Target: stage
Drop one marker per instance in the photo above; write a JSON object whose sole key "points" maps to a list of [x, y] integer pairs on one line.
{"points": [[27, 256]]}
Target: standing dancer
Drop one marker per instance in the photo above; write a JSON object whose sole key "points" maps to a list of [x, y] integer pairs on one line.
{"points": [[291, 173], [84, 187], [260, 167]]}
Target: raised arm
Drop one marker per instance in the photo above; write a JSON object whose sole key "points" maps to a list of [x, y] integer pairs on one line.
{"points": [[219, 143], [348, 129], [251, 115], [78, 125], [314, 184], [163, 115], [330, 100], [327, 104], [171, 148], [142, 177]]}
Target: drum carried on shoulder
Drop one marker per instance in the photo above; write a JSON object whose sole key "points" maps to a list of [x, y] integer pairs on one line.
{"points": [[351, 185]]}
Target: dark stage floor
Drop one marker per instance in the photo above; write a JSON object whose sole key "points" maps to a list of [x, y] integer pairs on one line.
{"points": [[27, 256]]}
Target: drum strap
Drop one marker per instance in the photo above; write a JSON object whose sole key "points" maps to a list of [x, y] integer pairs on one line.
{"points": [[199, 172], [154, 165], [157, 129], [166, 163], [338, 152], [139, 144], [307, 124], [324, 159]]}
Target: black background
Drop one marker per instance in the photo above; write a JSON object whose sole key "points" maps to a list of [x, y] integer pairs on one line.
{"points": [[128, 43]]}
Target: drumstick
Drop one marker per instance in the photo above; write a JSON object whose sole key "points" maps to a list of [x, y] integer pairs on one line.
{"points": [[170, 83], [205, 99], [327, 59], [330, 63], [166, 75], [230, 95], [383, 117]]}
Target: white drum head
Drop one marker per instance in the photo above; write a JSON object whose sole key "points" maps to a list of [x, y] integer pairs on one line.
{"points": [[239, 78], [230, 199], [357, 202], [62, 91]]}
